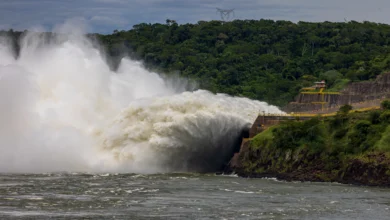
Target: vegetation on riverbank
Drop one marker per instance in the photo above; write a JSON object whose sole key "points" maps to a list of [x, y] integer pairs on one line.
{"points": [[346, 148], [260, 59]]}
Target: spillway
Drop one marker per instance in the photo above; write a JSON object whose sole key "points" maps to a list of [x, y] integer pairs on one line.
{"points": [[63, 109]]}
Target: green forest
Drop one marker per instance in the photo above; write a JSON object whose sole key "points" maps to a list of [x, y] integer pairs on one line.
{"points": [[260, 59]]}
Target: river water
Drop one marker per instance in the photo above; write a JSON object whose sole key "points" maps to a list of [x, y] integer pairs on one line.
{"points": [[183, 196]]}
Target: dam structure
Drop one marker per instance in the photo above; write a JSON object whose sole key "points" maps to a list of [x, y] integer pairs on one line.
{"points": [[316, 101]]}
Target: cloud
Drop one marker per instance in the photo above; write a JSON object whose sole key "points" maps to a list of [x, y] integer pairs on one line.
{"points": [[107, 20], [106, 15], [113, 1]]}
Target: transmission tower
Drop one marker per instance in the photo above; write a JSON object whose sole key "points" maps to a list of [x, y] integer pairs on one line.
{"points": [[225, 14]]}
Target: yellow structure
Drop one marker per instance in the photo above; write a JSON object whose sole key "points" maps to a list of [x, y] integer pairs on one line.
{"points": [[312, 115], [318, 89]]}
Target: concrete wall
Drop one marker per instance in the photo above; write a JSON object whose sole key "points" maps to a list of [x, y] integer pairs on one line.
{"points": [[263, 122], [354, 93], [380, 86]]}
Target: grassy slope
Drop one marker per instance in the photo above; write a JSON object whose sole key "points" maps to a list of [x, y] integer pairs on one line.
{"points": [[353, 148]]}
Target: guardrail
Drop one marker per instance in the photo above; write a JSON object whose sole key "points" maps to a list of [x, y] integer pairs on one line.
{"points": [[335, 108], [304, 114]]}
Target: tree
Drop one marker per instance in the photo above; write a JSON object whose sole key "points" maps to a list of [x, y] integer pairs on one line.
{"points": [[330, 77], [345, 109], [385, 104], [261, 59]]}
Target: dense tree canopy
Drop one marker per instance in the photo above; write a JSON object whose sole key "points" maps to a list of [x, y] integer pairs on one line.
{"points": [[261, 59]]}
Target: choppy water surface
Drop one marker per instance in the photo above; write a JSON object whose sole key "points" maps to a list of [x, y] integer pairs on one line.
{"points": [[183, 196]]}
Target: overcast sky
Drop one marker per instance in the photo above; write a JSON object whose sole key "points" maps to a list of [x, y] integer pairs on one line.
{"points": [[104, 16]]}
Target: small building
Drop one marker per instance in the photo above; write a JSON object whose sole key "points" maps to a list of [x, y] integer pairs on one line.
{"points": [[319, 85]]}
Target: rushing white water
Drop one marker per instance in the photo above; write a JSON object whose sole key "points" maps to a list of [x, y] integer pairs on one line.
{"points": [[62, 109]]}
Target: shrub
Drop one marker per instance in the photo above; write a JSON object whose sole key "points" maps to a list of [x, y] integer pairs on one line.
{"points": [[385, 104], [330, 77], [362, 127], [345, 109], [339, 84], [340, 133], [375, 117], [385, 117]]}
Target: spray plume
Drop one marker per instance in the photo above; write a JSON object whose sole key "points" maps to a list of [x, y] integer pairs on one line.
{"points": [[63, 109]]}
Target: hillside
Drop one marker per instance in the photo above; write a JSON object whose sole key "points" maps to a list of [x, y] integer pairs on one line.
{"points": [[261, 59], [266, 60], [347, 148]]}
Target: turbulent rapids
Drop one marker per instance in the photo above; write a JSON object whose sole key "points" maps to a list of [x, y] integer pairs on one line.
{"points": [[63, 109]]}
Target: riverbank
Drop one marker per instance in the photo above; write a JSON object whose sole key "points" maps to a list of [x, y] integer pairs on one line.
{"points": [[349, 148]]}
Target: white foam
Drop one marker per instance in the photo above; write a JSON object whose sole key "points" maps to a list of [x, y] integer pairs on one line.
{"points": [[63, 109]]}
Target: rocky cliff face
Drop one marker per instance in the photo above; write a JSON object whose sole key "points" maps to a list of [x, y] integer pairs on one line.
{"points": [[301, 165], [353, 93]]}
